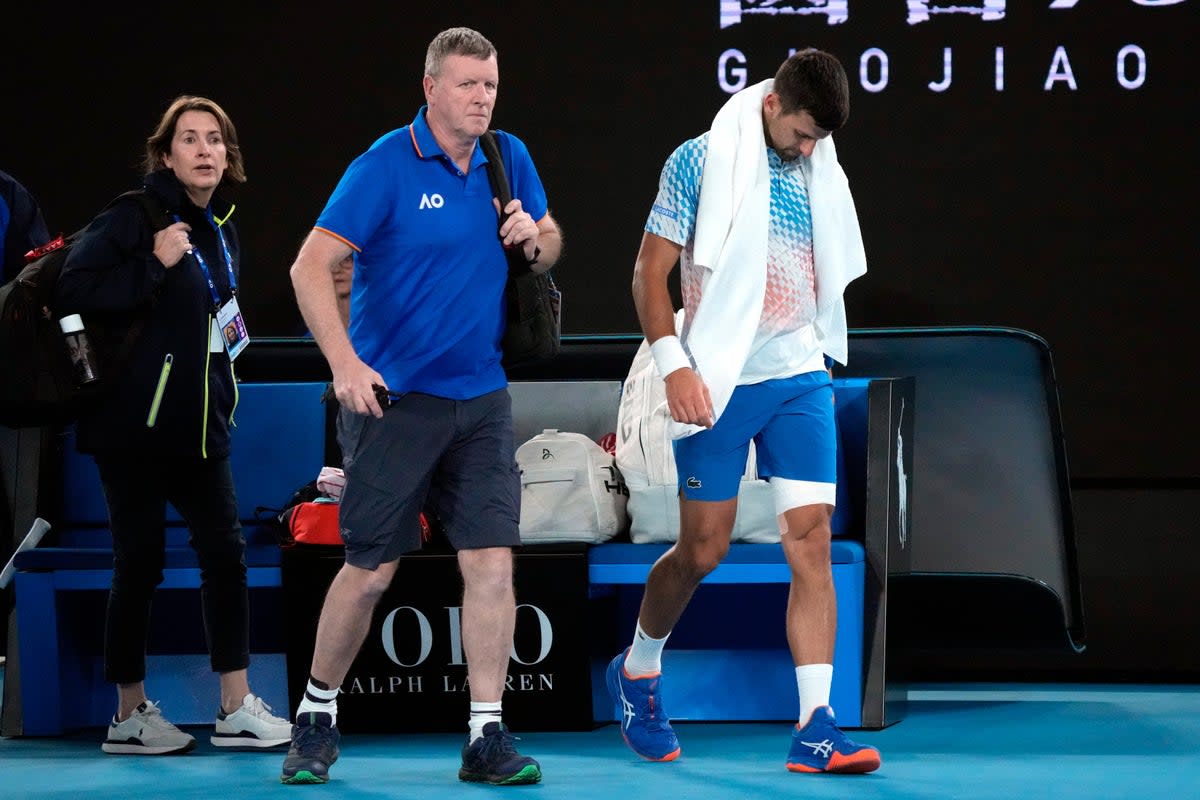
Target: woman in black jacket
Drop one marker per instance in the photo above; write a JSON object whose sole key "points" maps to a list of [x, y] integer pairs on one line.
{"points": [[161, 432]]}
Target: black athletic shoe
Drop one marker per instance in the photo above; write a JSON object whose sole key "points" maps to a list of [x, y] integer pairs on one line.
{"points": [[314, 749], [492, 758]]}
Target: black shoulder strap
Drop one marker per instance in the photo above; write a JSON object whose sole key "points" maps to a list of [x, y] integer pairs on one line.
{"points": [[501, 189], [497, 177], [157, 215], [150, 205]]}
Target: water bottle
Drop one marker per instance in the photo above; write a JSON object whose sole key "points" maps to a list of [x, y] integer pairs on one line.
{"points": [[79, 349]]}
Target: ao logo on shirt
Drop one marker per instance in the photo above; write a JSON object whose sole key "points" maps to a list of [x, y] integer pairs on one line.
{"points": [[431, 201]]}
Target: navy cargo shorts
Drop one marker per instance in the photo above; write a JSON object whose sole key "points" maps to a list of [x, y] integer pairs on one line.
{"points": [[462, 448]]}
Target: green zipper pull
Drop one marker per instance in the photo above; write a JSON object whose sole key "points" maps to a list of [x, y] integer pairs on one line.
{"points": [[152, 417]]}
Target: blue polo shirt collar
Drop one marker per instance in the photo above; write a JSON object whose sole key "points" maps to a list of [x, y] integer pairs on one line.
{"points": [[427, 147]]}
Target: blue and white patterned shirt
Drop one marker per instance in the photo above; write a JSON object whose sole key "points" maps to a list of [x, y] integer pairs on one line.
{"points": [[785, 343]]}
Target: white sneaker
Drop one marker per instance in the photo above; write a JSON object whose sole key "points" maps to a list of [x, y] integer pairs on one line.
{"points": [[146, 733], [252, 725]]}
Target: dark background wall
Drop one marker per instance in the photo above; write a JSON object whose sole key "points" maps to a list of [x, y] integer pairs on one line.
{"points": [[1061, 203]]}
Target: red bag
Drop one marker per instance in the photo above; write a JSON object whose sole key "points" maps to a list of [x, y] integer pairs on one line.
{"points": [[312, 522], [316, 522]]}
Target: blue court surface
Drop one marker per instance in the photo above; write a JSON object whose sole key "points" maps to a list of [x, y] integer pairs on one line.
{"points": [[1000, 741]]}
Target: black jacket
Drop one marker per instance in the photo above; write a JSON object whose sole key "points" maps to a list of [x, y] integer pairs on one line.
{"points": [[112, 271], [21, 226]]}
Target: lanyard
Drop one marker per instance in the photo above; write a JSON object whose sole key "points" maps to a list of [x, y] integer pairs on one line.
{"points": [[212, 287]]}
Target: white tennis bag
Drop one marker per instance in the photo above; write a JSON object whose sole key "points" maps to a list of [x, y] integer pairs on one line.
{"points": [[646, 459], [571, 490]]}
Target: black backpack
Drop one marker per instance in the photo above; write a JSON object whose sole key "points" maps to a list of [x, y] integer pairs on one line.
{"points": [[39, 385]]}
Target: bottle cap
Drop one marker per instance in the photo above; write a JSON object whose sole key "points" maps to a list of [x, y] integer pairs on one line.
{"points": [[71, 323]]}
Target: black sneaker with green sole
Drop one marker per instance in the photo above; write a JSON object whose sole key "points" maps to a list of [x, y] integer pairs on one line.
{"points": [[492, 758], [313, 750]]}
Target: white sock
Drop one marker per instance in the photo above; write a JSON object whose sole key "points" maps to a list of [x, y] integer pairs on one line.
{"points": [[321, 700], [482, 714], [813, 681], [645, 655]]}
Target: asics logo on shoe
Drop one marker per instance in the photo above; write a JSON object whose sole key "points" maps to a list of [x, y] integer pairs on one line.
{"points": [[823, 749], [434, 200], [627, 711]]}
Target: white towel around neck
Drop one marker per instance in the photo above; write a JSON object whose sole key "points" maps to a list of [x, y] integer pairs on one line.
{"points": [[732, 222]]}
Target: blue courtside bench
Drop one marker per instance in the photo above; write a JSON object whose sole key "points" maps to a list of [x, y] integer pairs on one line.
{"points": [[280, 444], [734, 628]]}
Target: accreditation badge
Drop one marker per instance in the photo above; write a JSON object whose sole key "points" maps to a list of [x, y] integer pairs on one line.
{"points": [[233, 328]]}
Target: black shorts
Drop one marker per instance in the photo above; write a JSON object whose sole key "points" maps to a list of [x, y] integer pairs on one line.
{"points": [[462, 448]]}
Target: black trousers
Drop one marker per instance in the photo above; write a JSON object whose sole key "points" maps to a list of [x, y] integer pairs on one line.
{"points": [[137, 488]]}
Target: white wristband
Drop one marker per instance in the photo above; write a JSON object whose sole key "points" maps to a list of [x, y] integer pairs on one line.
{"points": [[669, 355]]}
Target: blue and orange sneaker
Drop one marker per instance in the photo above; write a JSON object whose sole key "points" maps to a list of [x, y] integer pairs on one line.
{"points": [[820, 746], [644, 723]]}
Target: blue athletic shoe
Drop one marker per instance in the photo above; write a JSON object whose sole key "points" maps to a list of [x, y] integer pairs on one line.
{"points": [[644, 722], [820, 746]]}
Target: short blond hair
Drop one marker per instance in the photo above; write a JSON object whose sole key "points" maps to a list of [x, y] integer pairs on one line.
{"points": [[456, 42]]}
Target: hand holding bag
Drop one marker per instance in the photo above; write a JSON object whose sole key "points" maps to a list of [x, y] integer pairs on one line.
{"points": [[533, 304]]}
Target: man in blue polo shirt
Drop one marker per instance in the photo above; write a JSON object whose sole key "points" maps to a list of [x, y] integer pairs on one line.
{"points": [[423, 396]]}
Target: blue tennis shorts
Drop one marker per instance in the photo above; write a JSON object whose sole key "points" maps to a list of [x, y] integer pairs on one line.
{"points": [[457, 453], [790, 420]]}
